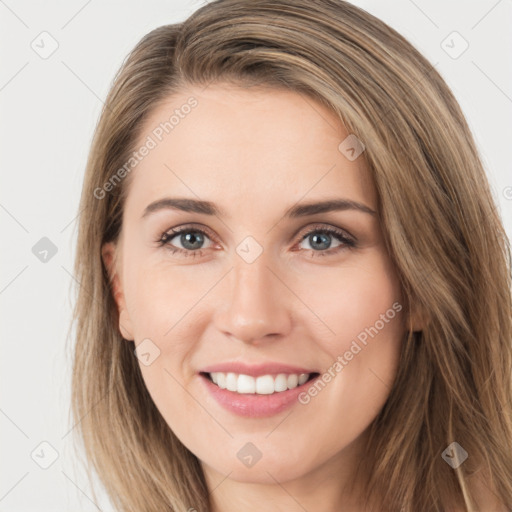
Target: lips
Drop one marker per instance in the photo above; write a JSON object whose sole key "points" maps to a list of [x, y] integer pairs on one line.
{"points": [[256, 390]]}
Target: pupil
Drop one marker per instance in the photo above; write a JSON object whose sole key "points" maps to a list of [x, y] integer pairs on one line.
{"points": [[322, 238]]}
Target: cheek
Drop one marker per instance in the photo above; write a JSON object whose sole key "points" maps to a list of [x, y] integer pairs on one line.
{"points": [[362, 305], [159, 299], [162, 310], [368, 322], [354, 299]]}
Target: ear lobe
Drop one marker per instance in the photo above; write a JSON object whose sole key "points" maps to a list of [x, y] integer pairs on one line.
{"points": [[109, 256]]}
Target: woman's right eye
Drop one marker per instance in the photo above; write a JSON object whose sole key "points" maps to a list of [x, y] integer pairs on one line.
{"points": [[191, 240]]}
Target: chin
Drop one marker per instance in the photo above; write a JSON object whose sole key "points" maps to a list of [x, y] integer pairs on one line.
{"points": [[264, 473]]}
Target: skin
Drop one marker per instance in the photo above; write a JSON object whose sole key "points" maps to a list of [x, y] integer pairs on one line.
{"points": [[255, 153]]}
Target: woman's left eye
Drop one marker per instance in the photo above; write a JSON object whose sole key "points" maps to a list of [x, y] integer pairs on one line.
{"points": [[319, 239]]}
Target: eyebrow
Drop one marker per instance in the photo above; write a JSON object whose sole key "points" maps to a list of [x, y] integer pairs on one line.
{"points": [[296, 211]]}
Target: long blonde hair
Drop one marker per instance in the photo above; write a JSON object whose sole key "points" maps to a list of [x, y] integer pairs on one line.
{"points": [[440, 226]]}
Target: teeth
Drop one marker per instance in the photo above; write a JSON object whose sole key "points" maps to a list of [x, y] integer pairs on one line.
{"points": [[281, 382], [221, 380], [262, 385], [303, 377], [246, 384], [231, 381], [293, 381]]}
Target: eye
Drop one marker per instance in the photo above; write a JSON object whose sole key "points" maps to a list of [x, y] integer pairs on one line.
{"points": [[320, 240], [191, 240]]}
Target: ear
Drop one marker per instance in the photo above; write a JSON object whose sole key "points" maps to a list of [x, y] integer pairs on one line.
{"points": [[110, 256]]}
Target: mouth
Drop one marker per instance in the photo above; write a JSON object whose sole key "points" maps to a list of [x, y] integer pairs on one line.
{"points": [[267, 384]]}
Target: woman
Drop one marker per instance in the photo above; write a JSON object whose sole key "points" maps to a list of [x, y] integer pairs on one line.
{"points": [[220, 364]]}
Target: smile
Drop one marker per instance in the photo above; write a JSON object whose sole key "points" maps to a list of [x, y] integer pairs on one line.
{"points": [[262, 391], [260, 385]]}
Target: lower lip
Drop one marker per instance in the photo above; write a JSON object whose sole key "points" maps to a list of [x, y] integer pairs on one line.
{"points": [[253, 405]]}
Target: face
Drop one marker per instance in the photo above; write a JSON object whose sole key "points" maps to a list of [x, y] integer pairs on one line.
{"points": [[244, 282]]}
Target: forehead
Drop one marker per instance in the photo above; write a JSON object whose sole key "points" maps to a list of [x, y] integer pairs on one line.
{"points": [[245, 147]]}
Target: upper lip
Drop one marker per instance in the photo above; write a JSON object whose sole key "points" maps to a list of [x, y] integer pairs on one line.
{"points": [[255, 370]]}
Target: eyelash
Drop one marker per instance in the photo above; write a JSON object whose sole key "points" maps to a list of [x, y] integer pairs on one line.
{"points": [[348, 243]]}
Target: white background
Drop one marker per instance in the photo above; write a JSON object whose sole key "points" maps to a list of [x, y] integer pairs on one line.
{"points": [[48, 111]]}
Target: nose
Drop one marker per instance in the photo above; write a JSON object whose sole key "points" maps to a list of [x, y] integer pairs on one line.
{"points": [[257, 308]]}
